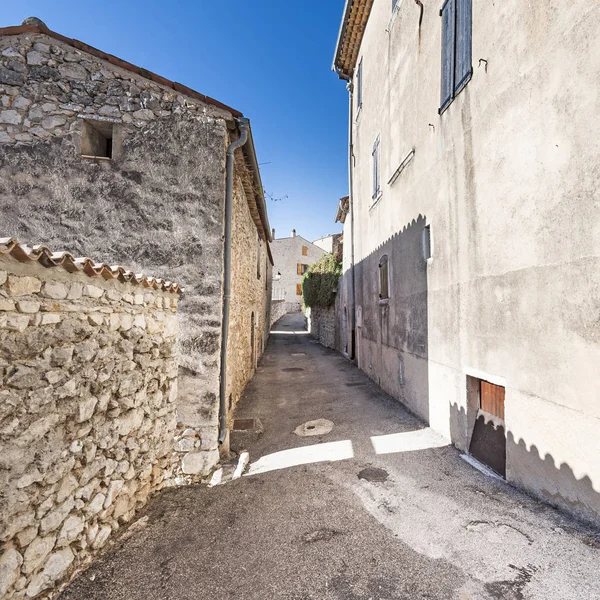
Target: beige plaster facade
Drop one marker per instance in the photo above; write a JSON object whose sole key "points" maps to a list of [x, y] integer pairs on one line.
{"points": [[507, 180]]}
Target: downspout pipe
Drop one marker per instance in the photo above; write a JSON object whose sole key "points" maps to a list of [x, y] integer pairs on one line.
{"points": [[353, 354], [244, 127]]}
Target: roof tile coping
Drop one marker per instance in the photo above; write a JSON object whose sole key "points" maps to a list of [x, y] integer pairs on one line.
{"points": [[123, 64], [45, 257]]}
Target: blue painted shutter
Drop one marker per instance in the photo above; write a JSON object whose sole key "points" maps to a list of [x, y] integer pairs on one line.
{"points": [[448, 14], [359, 83], [464, 30]]}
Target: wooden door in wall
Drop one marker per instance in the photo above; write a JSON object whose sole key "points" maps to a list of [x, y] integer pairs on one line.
{"points": [[488, 442]]}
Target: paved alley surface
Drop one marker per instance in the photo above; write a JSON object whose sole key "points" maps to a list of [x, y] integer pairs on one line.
{"points": [[412, 521]]}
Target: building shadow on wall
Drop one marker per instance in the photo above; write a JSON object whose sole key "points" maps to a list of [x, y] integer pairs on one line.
{"points": [[391, 336], [541, 476]]}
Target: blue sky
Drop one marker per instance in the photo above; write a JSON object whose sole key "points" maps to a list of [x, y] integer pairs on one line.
{"points": [[269, 59]]}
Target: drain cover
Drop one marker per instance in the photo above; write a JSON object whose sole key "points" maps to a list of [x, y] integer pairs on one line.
{"points": [[244, 424], [317, 427], [356, 383], [292, 369], [373, 474]]}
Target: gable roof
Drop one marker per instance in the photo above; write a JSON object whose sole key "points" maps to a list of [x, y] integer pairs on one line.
{"points": [[114, 60], [352, 29]]}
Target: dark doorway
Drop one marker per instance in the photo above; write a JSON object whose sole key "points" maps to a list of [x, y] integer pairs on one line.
{"points": [[488, 441]]}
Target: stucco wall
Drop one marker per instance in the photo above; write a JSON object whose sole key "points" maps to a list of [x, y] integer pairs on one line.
{"points": [[507, 178], [88, 380], [287, 254], [159, 201]]}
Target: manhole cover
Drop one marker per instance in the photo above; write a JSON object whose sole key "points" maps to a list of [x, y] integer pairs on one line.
{"points": [[317, 427], [298, 353], [292, 369], [244, 424], [373, 474], [356, 383]]}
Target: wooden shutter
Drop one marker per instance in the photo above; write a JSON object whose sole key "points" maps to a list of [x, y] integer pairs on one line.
{"points": [[383, 278], [463, 68], [304, 251], [448, 14], [299, 269], [298, 289], [492, 399]]}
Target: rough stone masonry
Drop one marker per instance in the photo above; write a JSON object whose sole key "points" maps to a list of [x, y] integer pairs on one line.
{"points": [[88, 379]]}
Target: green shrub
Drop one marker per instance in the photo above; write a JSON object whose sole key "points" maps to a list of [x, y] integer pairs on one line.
{"points": [[319, 284]]}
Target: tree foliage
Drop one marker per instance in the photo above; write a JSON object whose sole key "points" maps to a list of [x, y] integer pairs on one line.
{"points": [[319, 284]]}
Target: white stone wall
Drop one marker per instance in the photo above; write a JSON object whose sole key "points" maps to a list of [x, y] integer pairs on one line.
{"points": [[507, 178], [88, 379], [322, 325]]}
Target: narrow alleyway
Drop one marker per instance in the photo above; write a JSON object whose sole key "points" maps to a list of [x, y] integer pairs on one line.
{"points": [[339, 520]]}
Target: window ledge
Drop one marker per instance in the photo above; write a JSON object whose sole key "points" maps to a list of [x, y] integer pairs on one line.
{"points": [[90, 157], [375, 201], [383, 301]]}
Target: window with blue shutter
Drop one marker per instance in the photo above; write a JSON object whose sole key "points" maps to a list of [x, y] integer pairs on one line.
{"points": [[456, 49]]}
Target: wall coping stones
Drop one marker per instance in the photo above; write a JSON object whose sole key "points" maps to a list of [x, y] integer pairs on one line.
{"points": [[45, 257]]}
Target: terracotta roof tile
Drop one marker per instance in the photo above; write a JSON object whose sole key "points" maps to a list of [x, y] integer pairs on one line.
{"points": [[45, 257]]}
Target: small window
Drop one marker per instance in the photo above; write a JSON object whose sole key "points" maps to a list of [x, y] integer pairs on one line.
{"points": [[359, 85], [97, 139], [384, 287], [376, 169], [427, 242], [298, 289], [304, 251], [301, 269], [457, 30]]}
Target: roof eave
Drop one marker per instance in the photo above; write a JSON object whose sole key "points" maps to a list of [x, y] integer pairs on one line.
{"points": [[338, 46], [123, 64]]}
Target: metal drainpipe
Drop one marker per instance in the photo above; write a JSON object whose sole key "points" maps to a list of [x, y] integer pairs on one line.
{"points": [[350, 86], [230, 163]]}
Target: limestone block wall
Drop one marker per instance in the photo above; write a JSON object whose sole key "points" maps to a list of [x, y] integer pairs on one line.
{"points": [[158, 201], [279, 308], [88, 379], [322, 325]]}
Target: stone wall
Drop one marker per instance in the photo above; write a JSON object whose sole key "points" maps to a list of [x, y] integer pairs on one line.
{"points": [[88, 379], [278, 310], [322, 325], [250, 278], [158, 201]]}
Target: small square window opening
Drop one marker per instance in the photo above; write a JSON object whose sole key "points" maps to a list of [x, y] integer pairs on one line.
{"points": [[97, 139], [384, 287]]}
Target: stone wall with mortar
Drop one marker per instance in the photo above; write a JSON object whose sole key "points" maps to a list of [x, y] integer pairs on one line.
{"points": [[166, 177], [88, 379], [279, 308], [250, 298], [322, 324]]}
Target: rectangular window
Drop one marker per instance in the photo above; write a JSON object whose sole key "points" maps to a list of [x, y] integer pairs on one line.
{"points": [[298, 289], [457, 33], [376, 169], [359, 85], [384, 281], [427, 242], [301, 269], [96, 139], [304, 251]]}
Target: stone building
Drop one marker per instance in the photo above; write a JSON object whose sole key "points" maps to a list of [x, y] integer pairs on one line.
{"points": [[332, 243], [99, 156], [291, 257], [472, 232]]}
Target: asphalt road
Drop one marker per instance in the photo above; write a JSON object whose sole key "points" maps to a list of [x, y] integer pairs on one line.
{"points": [[327, 517]]}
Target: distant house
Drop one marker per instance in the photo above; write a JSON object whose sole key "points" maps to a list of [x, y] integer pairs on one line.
{"points": [[472, 230], [331, 243], [291, 257], [104, 158]]}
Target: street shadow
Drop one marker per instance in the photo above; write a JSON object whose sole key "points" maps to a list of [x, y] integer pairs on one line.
{"points": [[391, 334], [540, 475]]}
